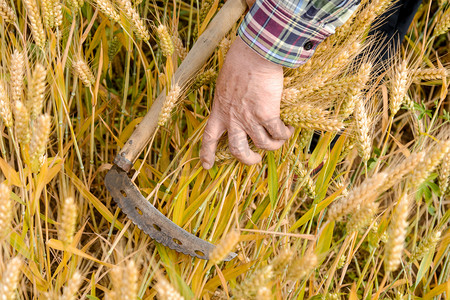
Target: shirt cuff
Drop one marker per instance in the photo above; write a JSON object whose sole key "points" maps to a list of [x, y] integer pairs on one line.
{"points": [[280, 35]]}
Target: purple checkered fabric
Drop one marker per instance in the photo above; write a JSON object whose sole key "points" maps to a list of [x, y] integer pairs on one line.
{"points": [[287, 32]]}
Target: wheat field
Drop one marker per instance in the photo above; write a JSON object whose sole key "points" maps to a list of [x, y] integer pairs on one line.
{"points": [[363, 215]]}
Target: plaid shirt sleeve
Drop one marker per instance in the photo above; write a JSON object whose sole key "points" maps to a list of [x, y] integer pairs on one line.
{"points": [[287, 32]]}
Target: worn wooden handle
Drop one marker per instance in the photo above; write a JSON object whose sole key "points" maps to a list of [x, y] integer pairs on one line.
{"points": [[196, 58]]}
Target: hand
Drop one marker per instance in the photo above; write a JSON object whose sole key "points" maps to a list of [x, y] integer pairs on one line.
{"points": [[247, 101]]}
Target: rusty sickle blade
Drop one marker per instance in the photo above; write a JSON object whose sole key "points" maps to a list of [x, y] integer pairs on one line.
{"points": [[151, 221]]}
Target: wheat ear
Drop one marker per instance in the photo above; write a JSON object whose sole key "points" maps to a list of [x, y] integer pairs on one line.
{"points": [[17, 70], [361, 195], [397, 234], [39, 140], [37, 29], [225, 246], [5, 107], [6, 12], [6, 206], [36, 91], [10, 279]]}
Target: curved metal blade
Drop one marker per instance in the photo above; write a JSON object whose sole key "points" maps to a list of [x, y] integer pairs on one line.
{"points": [[151, 221]]}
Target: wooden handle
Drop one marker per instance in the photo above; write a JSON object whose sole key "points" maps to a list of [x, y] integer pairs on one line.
{"points": [[196, 58]]}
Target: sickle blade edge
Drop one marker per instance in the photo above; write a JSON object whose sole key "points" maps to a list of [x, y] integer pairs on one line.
{"points": [[150, 220]]}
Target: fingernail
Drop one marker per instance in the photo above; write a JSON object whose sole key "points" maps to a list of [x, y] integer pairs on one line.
{"points": [[207, 166]]}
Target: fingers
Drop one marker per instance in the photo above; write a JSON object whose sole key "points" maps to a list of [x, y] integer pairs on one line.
{"points": [[238, 144], [262, 139], [277, 129], [213, 131]]}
